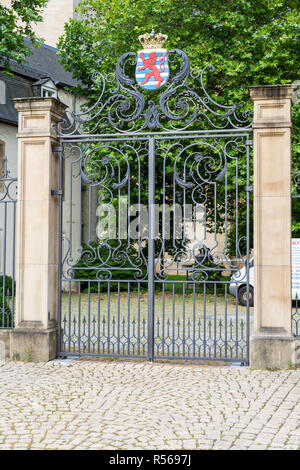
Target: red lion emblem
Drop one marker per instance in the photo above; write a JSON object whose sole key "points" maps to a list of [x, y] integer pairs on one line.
{"points": [[150, 63]]}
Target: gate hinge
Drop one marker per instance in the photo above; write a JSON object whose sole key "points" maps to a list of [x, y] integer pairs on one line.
{"points": [[249, 188], [57, 192], [56, 148], [249, 142]]}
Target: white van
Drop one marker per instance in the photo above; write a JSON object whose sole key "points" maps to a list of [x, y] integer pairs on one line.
{"points": [[238, 282]]}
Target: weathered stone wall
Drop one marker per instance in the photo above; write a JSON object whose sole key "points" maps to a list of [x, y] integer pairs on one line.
{"points": [[55, 15]]}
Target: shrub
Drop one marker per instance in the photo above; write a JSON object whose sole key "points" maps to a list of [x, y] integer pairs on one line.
{"points": [[7, 288], [119, 260], [8, 284]]}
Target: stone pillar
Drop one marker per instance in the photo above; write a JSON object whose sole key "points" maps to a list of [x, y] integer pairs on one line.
{"points": [[272, 343], [35, 334]]}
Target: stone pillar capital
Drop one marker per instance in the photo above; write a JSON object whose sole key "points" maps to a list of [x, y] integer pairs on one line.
{"points": [[38, 116], [272, 105], [272, 92], [36, 103]]}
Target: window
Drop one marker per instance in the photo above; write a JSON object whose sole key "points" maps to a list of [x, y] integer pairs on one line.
{"points": [[47, 92], [44, 88], [2, 92]]}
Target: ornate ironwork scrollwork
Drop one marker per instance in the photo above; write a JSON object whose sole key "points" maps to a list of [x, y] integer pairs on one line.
{"points": [[123, 107], [104, 169], [198, 168], [8, 185]]}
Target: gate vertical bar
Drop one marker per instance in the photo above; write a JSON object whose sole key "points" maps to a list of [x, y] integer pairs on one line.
{"points": [[151, 245], [60, 228], [248, 249]]}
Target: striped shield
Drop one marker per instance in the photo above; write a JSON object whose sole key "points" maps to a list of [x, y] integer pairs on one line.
{"points": [[152, 70]]}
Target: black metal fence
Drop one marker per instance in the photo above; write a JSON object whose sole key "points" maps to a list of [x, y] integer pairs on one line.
{"points": [[191, 322], [296, 318], [8, 201], [295, 179]]}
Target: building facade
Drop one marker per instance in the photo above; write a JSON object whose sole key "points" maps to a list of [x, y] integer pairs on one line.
{"points": [[55, 15]]}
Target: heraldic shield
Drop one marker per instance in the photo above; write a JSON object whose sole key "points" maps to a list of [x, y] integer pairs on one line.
{"points": [[152, 70]]}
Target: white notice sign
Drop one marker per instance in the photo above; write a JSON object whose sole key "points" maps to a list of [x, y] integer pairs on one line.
{"points": [[295, 268]]}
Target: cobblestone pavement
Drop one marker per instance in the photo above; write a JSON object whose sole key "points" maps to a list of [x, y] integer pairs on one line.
{"points": [[138, 405]]}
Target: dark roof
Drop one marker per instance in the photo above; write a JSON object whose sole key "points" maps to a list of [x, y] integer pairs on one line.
{"points": [[17, 87], [42, 81], [43, 62]]}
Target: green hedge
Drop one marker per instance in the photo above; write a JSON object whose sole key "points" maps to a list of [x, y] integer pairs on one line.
{"points": [[87, 269], [88, 266], [7, 289]]}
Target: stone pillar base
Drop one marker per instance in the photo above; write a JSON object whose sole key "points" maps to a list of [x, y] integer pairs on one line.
{"points": [[33, 345], [296, 351], [5, 335], [272, 352]]}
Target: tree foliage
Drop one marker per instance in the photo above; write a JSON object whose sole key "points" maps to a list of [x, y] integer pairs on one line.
{"points": [[248, 43], [15, 23]]}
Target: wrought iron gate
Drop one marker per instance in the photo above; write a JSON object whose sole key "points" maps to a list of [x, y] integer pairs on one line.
{"points": [[155, 221]]}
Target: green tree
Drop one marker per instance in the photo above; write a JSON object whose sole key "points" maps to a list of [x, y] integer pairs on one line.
{"points": [[248, 44], [15, 23]]}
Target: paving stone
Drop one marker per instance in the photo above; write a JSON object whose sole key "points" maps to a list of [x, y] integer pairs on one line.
{"points": [[137, 405]]}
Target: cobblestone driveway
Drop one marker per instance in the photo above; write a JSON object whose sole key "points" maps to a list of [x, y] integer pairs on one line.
{"points": [[137, 405]]}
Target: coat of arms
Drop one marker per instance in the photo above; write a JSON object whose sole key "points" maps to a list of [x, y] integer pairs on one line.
{"points": [[152, 70]]}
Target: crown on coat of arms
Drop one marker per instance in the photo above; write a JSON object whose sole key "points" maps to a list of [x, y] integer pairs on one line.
{"points": [[152, 40]]}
